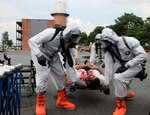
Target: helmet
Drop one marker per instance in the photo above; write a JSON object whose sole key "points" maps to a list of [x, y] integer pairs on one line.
{"points": [[97, 37], [73, 35], [108, 35]]}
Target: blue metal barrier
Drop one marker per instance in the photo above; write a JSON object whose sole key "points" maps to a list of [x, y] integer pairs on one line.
{"points": [[20, 81], [10, 89], [0, 95]]}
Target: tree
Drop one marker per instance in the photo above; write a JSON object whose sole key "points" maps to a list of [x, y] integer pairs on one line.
{"points": [[127, 24], [92, 35], [83, 38], [143, 35], [132, 25], [147, 21], [10, 43], [5, 40]]}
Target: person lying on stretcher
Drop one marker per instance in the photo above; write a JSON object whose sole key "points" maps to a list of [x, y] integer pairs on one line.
{"points": [[88, 76]]}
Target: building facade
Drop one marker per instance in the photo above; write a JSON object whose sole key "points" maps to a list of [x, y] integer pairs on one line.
{"points": [[27, 28]]}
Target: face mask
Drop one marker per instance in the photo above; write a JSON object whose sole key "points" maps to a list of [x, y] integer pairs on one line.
{"points": [[75, 38], [97, 41]]}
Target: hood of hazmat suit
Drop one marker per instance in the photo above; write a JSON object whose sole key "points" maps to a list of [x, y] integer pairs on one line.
{"points": [[73, 35], [109, 35], [98, 38]]}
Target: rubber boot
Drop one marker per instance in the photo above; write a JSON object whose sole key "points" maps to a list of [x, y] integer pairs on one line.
{"points": [[40, 105], [130, 95], [62, 101], [121, 107]]}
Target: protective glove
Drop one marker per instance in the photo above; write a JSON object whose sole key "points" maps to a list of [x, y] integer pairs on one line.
{"points": [[41, 60], [142, 74], [73, 87], [121, 69], [106, 89]]}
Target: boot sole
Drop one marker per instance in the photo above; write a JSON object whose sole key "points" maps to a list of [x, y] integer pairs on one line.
{"points": [[65, 108], [121, 114], [40, 114]]}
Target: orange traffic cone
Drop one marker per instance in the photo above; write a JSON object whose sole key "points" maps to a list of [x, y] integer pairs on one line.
{"points": [[62, 101], [40, 105], [130, 95], [121, 107]]}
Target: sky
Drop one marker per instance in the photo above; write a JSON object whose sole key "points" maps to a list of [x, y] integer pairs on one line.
{"points": [[86, 14]]}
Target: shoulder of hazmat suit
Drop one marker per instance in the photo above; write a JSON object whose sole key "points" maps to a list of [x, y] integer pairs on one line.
{"points": [[138, 53], [37, 41]]}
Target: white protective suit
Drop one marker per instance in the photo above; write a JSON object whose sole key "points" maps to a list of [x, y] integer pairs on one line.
{"points": [[55, 67], [97, 57], [94, 55], [134, 57], [94, 58]]}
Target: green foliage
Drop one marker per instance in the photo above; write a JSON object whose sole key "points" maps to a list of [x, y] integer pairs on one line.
{"points": [[91, 37], [143, 35], [131, 25], [6, 43], [83, 38], [147, 21], [126, 25]]}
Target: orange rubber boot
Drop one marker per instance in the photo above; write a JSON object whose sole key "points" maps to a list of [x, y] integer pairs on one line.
{"points": [[130, 95], [121, 107], [62, 101], [40, 105]]}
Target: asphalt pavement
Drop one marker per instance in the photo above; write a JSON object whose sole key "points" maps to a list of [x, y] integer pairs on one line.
{"points": [[88, 102]]}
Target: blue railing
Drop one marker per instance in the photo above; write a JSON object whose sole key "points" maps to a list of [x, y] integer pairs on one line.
{"points": [[10, 89]]}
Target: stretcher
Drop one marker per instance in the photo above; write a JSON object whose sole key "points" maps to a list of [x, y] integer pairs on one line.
{"points": [[74, 86]]}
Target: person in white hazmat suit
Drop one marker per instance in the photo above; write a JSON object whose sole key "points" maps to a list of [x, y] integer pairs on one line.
{"points": [[44, 51], [132, 58], [97, 54], [96, 49]]}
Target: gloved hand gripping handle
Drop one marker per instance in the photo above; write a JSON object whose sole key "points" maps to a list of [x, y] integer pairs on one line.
{"points": [[106, 90], [41, 60]]}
